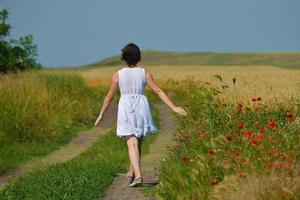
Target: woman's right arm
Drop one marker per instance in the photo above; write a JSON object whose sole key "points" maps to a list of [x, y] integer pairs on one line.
{"points": [[109, 97], [162, 95]]}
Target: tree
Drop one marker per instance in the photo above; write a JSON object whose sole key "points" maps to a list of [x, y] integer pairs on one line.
{"points": [[15, 55]]}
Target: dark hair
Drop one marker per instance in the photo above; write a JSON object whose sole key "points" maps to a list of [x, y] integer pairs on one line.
{"points": [[131, 54]]}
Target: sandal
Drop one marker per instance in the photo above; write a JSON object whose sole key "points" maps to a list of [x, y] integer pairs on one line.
{"points": [[130, 179], [137, 182]]}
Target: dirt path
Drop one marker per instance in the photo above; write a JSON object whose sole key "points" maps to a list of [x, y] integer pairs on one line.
{"points": [[78, 144], [150, 162]]}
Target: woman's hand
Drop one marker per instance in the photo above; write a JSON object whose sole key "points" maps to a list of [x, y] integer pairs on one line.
{"points": [[180, 111], [98, 120]]}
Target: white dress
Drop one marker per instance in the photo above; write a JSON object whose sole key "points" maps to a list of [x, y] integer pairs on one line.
{"points": [[134, 113]]}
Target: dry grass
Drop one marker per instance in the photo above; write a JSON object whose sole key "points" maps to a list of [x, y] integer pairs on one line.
{"points": [[265, 81], [259, 187], [31, 110]]}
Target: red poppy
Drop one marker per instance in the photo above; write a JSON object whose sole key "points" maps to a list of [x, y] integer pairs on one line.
{"points": [[185, 136], [210, 153], [239, 107], [225, 161], [242, 175], [270, 139], [228, 137], [254, 142], [256, 99], [287, 165], [278, 165], [246, 161], [271, 124], [214, 181], [257, 123], [260, 136], [240, 125], [249, 134], [270, 165], [262, 129], [239, 135], [276, 141], [289, 116], [185, 160], [202, 134], [286, 157], [277, 152], [236, 154], [269, 153]]}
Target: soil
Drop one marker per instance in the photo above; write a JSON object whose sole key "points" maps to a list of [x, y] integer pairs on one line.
{"points": [[150, 163]]}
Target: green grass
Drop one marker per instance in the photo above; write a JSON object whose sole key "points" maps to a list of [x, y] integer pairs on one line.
{"points": [[13, 153], [85, 177], [41, 111], [149, 57], [265, 156]]}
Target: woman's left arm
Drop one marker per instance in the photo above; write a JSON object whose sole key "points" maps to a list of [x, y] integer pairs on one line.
{"points": [[109, 97]]}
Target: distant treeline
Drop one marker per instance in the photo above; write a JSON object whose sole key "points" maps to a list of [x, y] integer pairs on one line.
{"points": [[15, 55], [150, 57]]}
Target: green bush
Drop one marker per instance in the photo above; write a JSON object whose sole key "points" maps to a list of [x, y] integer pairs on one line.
{"points": [[15, 55]]}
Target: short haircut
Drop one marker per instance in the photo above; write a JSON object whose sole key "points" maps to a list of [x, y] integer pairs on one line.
{"points": [[131, 54]]}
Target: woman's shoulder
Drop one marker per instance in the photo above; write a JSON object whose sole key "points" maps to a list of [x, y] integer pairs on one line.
{"points": [[147, 71], [144, 68], [115, 75], [119, 70]]}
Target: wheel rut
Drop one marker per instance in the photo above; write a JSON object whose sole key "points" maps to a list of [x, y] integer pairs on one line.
{"points": [[77, 145], [150, 163]]}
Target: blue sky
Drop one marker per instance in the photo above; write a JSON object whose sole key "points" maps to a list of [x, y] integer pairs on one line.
{"points": [[74, 32]]}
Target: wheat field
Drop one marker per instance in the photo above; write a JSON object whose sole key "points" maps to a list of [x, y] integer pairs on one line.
{"points": [[268, 82]]}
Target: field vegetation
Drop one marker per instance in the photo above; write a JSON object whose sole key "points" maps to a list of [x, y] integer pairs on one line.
{"points": [[266, 81], [241, 136], [39, 111], [240, 140], [232, 149]]}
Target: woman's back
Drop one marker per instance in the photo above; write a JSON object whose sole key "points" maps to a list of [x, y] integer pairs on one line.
{"points": [[132, 80]]}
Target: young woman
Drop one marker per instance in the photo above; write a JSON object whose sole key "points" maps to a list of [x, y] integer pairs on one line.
{"points": [[134, 120]]}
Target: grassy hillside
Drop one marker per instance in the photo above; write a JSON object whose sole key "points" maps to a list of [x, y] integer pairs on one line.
{"points": [[281, 59]]}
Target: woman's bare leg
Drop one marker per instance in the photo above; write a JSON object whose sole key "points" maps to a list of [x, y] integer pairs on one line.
{"points": [[130, 171], [133, 151], [140, 149]]}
